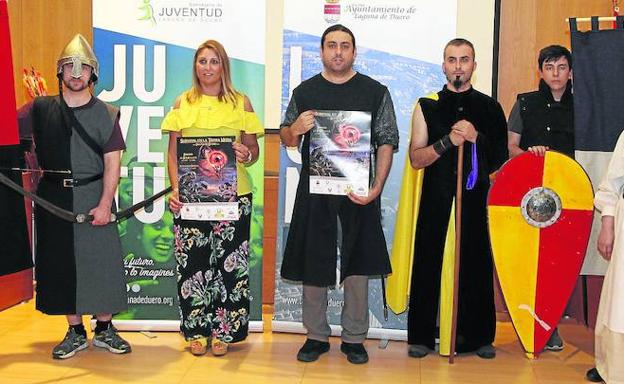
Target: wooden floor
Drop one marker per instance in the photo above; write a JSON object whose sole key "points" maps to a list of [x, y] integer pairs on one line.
{"points": [[27, 338]]}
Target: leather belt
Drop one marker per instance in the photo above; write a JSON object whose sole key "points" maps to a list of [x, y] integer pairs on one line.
{"points": [[70, 183]]}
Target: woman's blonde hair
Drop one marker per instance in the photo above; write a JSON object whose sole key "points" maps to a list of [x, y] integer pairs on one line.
{"points": [[228, 93]]}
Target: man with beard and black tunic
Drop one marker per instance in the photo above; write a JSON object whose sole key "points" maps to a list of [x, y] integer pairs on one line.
{"points": [[456, 115], [79, 268], [310, 255]]}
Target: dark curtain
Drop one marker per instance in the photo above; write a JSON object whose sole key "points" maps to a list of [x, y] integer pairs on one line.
{"points": [[598, 68], [14, 247]]}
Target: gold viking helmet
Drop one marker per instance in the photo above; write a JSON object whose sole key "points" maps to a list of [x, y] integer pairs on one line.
{"points": [[78, 52]]}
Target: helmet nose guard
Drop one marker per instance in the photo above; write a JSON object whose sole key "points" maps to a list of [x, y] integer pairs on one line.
{"points": [[78, 52]]}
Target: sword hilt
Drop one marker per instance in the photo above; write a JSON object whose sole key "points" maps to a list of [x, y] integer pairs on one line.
{"points": [[84, 218]]}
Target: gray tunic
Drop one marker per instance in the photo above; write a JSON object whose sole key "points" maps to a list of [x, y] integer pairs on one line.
{"points": [[100, 285], [79, 267]]}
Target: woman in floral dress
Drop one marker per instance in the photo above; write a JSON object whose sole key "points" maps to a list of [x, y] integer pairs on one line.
{"points": [[212, 256]]}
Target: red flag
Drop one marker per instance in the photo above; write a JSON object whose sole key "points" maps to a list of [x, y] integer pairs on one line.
{"points": [[8, 115]]}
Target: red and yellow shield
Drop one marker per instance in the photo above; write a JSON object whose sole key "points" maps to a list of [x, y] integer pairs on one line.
{"points": [[540, 211]]}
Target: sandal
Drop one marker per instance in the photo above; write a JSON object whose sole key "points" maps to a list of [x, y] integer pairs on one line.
{"points": [[198, 346], [219, 348]]}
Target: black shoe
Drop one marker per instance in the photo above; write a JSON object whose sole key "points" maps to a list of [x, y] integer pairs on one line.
{"points": [[417, 350], [593, 376], [554, 343], [486, 352], [356, 354], [311, 350]]}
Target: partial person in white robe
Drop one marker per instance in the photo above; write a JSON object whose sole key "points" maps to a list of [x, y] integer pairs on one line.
{"points": [[610, 322]]}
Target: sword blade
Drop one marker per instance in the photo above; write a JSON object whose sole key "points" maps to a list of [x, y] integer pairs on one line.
{"points": [[53, 209]]}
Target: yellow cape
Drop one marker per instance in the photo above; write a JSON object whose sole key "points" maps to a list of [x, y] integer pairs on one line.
{"points": [[398, 286]]}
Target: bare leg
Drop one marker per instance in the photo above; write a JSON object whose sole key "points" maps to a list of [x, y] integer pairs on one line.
{"points": [[74, 319], [104, 316]]}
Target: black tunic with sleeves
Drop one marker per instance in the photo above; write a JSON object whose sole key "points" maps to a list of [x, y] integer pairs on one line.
{"points": [[310, 254]]}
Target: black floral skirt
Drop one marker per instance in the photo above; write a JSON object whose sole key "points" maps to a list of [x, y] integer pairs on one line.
{"points": [[213, 275]]}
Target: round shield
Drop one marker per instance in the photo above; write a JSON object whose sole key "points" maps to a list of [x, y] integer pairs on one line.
{"points": [[540, 211]]}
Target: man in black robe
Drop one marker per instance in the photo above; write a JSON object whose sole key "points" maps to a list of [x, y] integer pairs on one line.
{"points": [[456, 115], [310, 254]]}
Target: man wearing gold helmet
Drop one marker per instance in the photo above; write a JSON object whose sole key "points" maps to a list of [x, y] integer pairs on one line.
{"points": [[78, 143]]}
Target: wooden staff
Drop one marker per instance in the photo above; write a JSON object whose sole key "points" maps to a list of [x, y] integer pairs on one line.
{"points": [[383, 294], [458, 216]]}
